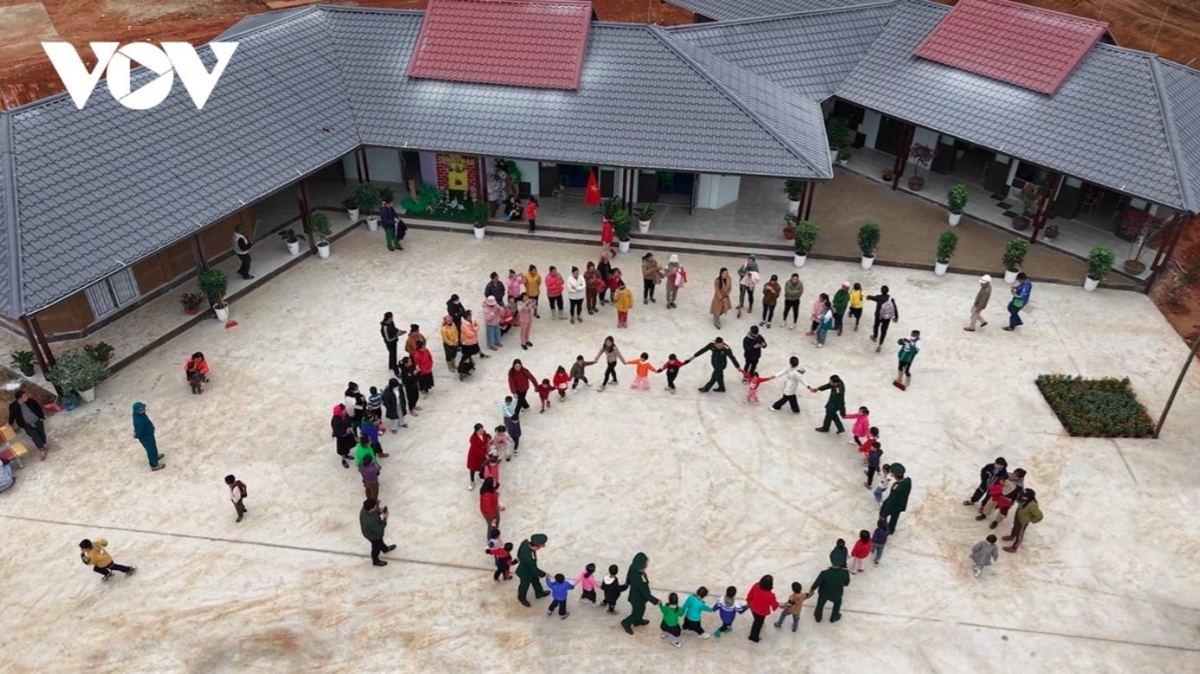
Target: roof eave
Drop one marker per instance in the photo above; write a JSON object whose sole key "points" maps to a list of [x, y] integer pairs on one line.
{"points": [[10, 305], [1191, 201]]}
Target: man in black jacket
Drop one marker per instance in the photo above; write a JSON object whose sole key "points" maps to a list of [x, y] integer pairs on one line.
{"points": [[988, 475], [752, 346], [373, 520], [241, 248], [27, 414]]}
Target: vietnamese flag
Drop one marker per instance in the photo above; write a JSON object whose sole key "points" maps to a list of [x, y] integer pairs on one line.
{"points": [[592, 196]]}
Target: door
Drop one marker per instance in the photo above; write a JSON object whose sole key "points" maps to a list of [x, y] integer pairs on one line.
{"points": [[112, 293], [411, 165], [995, 175], [608, 179], [547, 179], [647, 187], [888, 138]]}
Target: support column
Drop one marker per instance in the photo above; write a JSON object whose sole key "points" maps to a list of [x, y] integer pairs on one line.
{"points": [[1163, 257], [366, 166], [33, 344], [302, 194], [198, 253], [481, 180], [906, 140], [806, 199], [358, 165], [1045, 203], [37, 329]]}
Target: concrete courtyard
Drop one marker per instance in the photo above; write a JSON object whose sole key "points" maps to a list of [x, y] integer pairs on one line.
{"points": [[715, 491]]}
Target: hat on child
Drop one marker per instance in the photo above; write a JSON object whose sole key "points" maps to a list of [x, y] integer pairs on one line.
{"points": [[673, 258], [985, 279]]}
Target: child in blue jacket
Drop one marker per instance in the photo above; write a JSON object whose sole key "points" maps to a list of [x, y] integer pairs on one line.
{"points": [[559, 589], [728, 607]]}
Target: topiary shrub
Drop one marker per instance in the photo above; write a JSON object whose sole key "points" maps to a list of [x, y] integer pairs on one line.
{"points": [[1096, 408]]}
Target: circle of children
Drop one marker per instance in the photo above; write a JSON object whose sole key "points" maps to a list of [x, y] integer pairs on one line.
{"points": [[512, 305]]}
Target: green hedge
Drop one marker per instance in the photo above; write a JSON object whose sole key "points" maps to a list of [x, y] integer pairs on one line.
{"points": [[1096, 408]]}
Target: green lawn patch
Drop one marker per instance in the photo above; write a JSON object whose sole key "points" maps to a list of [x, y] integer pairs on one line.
{"points": [[1096, 408]]}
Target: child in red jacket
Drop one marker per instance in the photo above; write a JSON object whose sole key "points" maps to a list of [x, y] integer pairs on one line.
{"points": [[503, 557], [544, 390], [754, 380], [671, 367], [561, 379], [614, 282], [862, 548]]}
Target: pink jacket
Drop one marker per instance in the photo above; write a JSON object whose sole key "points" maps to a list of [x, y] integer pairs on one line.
{"points": [[525, 314], [862, 424], [818, 309], [492, 312], [516, 285], [587, 583]]}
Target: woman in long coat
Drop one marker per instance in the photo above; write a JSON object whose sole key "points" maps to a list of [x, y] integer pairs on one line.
{"points": [[412, 387], [722, 286]]}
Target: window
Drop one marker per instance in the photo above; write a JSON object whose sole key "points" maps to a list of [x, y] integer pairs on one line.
{"points": [[112, 293]]}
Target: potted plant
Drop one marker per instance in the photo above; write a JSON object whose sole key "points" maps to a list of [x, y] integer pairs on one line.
{"points": [[644, 213], [1030, 196], [480, 216], [956, 200], [321, 229], [622, 224], [806, 238], [608, 208], [947, 243], [366, 197], [836, 130], [922, 156], [843, 157], [191, 302], [1014, 256], [1050, 233], [868, 242], [789, 226], [795, 190], [77, 372], [351, 206], [214, 283], [1100, 262], [888, 174], [101, 352], [23, 361], [1144, 230], [292, 239]]}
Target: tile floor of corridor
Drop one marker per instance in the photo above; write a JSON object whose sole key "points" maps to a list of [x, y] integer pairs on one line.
{"points": [[716, 491]]}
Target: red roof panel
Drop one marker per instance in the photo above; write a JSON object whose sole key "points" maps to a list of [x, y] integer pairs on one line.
{"points": [[1026, 46], [525, 43]]}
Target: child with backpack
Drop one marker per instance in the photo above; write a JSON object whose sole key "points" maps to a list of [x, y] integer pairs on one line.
{"points": [[612, 588], [503, 556], [237, 492]]}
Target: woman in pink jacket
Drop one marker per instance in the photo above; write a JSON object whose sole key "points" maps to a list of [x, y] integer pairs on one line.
{"points": [[525, 307], [554, 290], [493, 313], [516, 285]]}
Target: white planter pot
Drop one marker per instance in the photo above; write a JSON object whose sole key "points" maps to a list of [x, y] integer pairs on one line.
{"points": [[843, 162], [88, 395], [799, 260], [372, 223], [955, 218], [1010, 276], [794, 207], [867, 262], [222, 313], [323, 250], [939, 268], [833, 156], [623, 246], [1049, 239], [1090, 284], [480, 232], [294, 247], [353, 215], [643, 226]]}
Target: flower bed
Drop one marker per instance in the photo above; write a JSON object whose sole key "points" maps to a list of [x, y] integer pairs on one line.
{"points": [[1096, 408]]}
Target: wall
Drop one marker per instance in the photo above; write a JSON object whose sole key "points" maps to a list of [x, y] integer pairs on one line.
{"points": [[165, 267], [716, 191], [217, 238], [384, 165], [70, 315], [529, 174], [429, 169], [870, 127]]}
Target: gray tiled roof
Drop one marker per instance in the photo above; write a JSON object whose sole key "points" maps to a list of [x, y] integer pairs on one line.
{"points": [[1105, 124], [722, 10], [810, 53], [9, 283], [1182, 88], [639, 104]]}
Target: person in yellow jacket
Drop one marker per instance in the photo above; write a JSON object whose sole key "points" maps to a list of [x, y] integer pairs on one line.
{"points": [[450, 342], [623, 300], [533, 288], [856, 303], [102, 563]]}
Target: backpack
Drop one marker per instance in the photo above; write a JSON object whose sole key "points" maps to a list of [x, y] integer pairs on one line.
{"points": [[887, 310]]}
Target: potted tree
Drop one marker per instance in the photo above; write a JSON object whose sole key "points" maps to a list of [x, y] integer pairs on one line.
{"points": [[805, 239], [947, 243], [888, 174], [1030, 195], [214, 283], [23, 361], [191, 302], [101, 352], [77, 372], [794, 189], [1100, 262], [789, 226], [351, 206], [843, 157], [644, 213], [922, 158], [622, 224], [366, 197], [956, 200], [292, 239], [480, 216], [836, 129], [1050, 233], [1014, 256], [321, 229], [1144, 230], [868, 242]]}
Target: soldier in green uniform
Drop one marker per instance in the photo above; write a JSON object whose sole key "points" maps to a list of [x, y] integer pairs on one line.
{"points": [[835, 407], [829, 586], [639, 593], [896, 500], [527, 568], [721, 354]]}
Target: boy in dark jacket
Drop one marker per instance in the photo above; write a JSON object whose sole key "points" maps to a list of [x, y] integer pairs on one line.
{"points": [[503, 557], [671, 367], [612, 588]]}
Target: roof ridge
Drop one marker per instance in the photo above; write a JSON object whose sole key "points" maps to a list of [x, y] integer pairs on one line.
{"points": [[766, 126], [1178, 161], [335, 62], [281, 16], [1044, 10], [8, 183], [783, 15]]}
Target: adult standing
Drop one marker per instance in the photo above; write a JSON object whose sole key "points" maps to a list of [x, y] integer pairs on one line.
{"points": [[721, 355], [455, 309], [980, 303], [771, 293], [411, 384], [414, 336], [450, 341], [793, 290], [528, 572], [885, 313], [747, 280], [477, 453], [835, 405], [355, 402], [395, 406], [143, 430], [676, 278], [200, 363], [988, 475], [526, 311], [752, 345], [372, 520], [493, 315], [519, 381], [1020, 298], [515, 285], [896, 501], [652, 275], [793, 376], [722, 287], [533, 288], [639, 593], [576, 287], [468, 337], [241, 248], [1028, 513], [388, 220], [495, 193], [494, 288], [423, 359], [554, 291], [829, 586], [762, 602], [592, 284], [604, 268], [343, 433], [391, 339], [841, 301], [27, 414]]}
